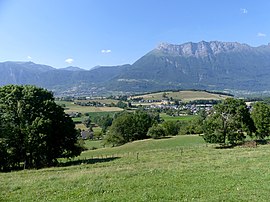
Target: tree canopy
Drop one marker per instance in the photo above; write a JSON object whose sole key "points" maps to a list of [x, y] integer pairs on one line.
{"points": [[228, 122], [34, 130], [129, 126], [261, 116]]}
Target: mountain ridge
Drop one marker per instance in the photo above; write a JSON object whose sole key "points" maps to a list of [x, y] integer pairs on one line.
{"points": [[204, 65]]}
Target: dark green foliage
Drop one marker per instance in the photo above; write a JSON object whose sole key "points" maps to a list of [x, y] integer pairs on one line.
{"points": [[228, 123], [34, 129], [121, 104], [156, 131], [261, 117], [104, 122], [192, 127], [127, 127], [213, 102], [87, 122], [171, 127]]}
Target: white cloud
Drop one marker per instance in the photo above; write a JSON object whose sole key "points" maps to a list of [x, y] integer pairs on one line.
{"points": [[106, 51], [69, 60], [261, 34], [244, 10], [29, 57]]}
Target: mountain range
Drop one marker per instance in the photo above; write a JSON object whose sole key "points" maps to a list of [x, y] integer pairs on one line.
{"points": [[220, 66]]}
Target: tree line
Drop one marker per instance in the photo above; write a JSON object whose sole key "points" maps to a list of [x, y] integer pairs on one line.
{"points": [[228, 123]]}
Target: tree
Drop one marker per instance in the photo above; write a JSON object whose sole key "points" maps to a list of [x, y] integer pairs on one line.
{"points": [[121, 130], [87, 122], [164, 95], [171, 127], [228, 123], [261, 117], [156, 131], [127, 127], [34, 129], [104, 122], [121, 104]]}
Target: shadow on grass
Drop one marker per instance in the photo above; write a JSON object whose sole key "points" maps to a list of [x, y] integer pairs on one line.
{"points": [[248, 143], [263, 142], [165, 137], [225, 146], [87, 161]]}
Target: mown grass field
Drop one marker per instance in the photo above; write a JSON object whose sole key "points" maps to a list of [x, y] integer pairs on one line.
{"points": [[180, 168], [166, 117], [185, 96]]}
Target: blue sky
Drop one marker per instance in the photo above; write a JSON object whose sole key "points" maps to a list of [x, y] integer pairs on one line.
{"points": [[87, 33]]}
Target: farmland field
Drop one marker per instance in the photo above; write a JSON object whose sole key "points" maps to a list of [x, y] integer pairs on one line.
{"points": [[103, 101], [183, 95], [71, 107], [181, 168], [177, 118]]}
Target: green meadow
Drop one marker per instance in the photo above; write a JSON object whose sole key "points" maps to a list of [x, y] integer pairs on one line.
{"points": [[181, 168], [166, 117], [186, 95], [70, 107]]}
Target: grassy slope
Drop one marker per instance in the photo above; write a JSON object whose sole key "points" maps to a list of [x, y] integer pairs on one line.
{"points": [[184, 96], [162, 173]]}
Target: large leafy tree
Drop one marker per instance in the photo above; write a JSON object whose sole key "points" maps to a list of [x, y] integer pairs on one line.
{"points": [[156, 131], [128, 127], [229, 122], [34, 129], [171, 127], [261, 117], [104, 122]]}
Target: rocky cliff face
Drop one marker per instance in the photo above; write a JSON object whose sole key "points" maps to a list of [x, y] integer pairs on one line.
{"points": [[202, 49], [204, 65]]}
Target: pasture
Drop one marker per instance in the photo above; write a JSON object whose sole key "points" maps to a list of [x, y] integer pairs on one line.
{"points": [[71, 107], [181, 168], [185, 96], [166, 117]]}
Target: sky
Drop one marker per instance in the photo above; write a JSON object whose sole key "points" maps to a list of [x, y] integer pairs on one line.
{"points": [[89, 33]]}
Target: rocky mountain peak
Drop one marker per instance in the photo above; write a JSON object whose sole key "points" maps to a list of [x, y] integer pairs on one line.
{"points": [[201, 49]]}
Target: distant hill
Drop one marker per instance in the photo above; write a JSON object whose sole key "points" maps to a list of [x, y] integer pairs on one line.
{"points": [[185, 95], [230, 66]]}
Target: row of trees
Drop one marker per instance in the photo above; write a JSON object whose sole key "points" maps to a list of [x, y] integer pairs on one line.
{"points": [[141, 124], [34, 130], [228, 123], [231, 121]]}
